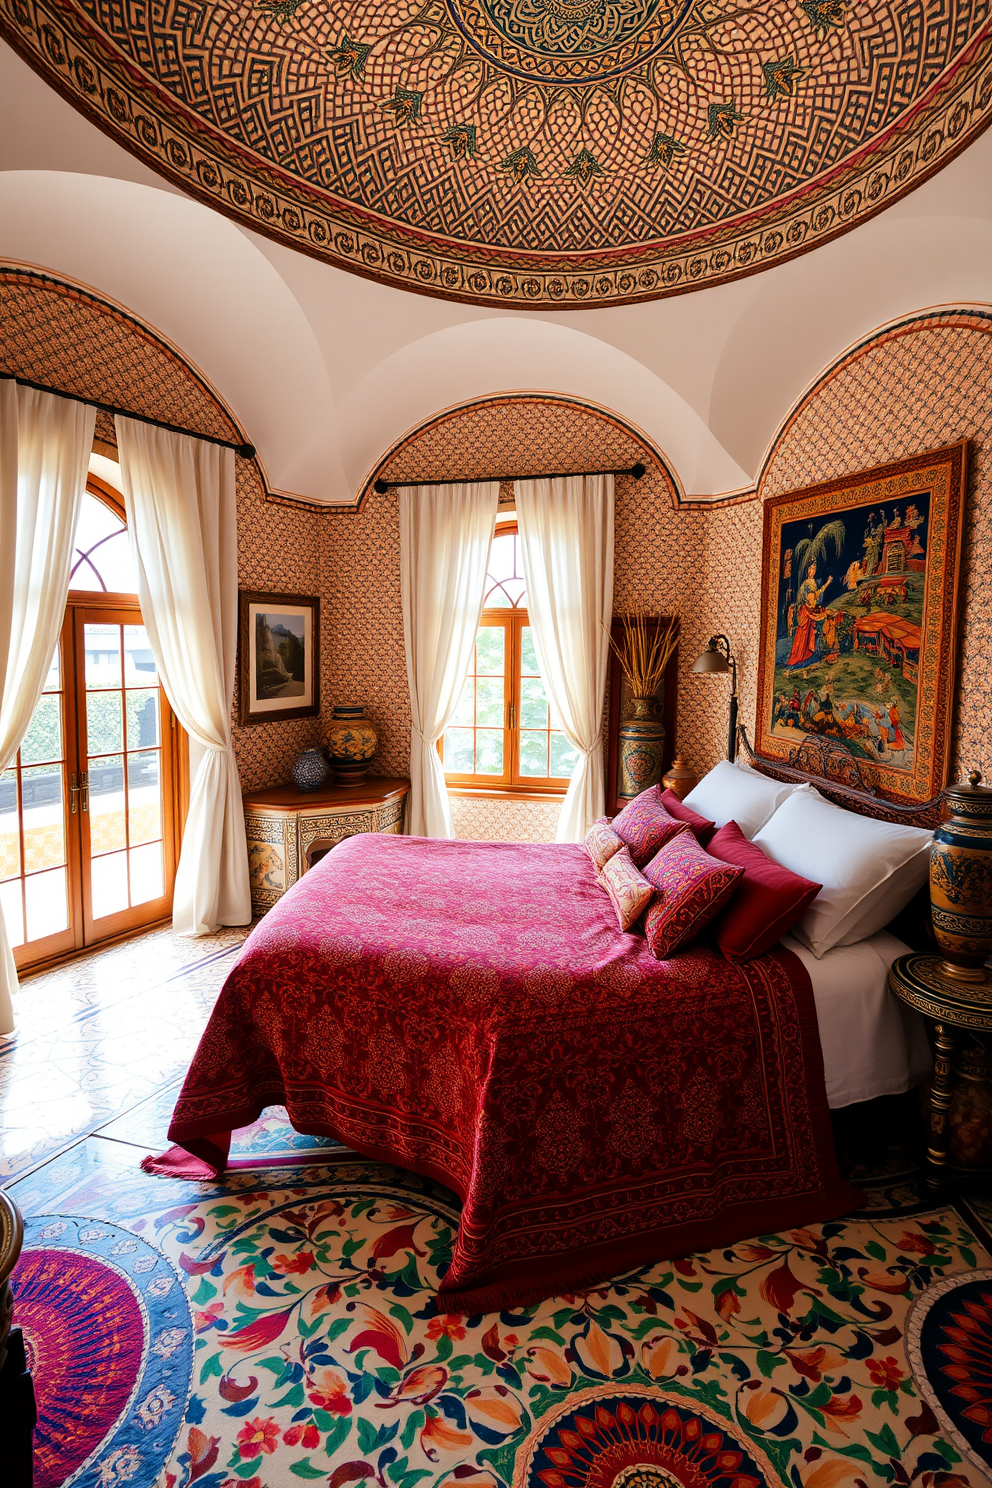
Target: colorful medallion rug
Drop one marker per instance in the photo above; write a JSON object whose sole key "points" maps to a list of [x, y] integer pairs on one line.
{"points": [[320, 1354], [949, 1344], [108, 1341]]}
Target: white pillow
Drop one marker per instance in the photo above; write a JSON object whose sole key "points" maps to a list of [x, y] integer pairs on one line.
{"points": [[738, 793], [869, 869]]}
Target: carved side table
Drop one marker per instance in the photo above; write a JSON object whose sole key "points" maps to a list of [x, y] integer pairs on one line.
{"points": [[289, 830], [959, 1014]]}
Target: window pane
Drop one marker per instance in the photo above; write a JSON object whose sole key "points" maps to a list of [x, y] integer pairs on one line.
{"points": [[465, 712], [533, 753], [144, 798], [489, 751], [142, 717], [139, 663], [528, 656], [13, 913], [496, 598], [47, 904], [104, 724], [533, 703], [103, 655], [10, 847], [96, 521], [44, 822], [102, 557], [54, 679], [490, 650], [502, 556], [108, 877], [147, 878], [489, 701], [563, 757], [113, 562], [43, 740], [458, 752], [107, 805]]}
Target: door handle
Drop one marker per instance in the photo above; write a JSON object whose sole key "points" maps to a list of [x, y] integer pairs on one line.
{"points": [[85, 780], [73, 793]]}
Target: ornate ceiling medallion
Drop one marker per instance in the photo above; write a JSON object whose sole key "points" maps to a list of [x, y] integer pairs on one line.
{"points": [[530, 153]]}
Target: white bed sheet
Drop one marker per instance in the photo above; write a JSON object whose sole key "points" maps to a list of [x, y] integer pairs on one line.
{"points": [[872, 1044]]}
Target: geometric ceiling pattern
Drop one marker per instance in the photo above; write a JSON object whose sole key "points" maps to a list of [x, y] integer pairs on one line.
{"points": [[530, 153]]}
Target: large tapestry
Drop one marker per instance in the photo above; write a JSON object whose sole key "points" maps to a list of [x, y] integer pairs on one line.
{"points": [[530, 152], [859, 610]]}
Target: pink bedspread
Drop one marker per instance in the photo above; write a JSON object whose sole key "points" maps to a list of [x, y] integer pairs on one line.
{"points": [[470, 1011]]}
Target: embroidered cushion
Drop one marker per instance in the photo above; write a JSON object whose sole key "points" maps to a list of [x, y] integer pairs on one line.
{"points": [[628, 889], [645, 825], [601, 842], [691, 887], [768, 902], [700, 826]]}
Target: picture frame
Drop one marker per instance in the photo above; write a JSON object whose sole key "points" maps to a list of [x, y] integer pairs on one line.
{"points": [[859, 619], [278, 656]]}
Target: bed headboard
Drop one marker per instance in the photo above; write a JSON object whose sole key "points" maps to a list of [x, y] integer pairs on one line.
{"points": [[840, 776]]}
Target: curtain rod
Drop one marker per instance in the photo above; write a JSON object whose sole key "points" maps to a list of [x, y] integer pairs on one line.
{"points": [[246, 451], [382, 486]]}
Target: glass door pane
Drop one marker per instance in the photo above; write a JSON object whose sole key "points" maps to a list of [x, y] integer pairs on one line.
{"points": [[474, 739], [124, 803]]}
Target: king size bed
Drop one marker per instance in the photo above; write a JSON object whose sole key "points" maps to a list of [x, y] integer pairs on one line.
{"points": [[471, 1011]]}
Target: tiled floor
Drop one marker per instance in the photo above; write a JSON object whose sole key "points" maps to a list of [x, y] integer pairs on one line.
{"points": [[101, 1035]]}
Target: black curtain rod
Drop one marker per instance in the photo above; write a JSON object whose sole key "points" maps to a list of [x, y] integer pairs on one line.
{"points": [[246, 451], [382, 486]]}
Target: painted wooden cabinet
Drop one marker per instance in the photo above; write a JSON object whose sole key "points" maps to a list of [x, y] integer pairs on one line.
{"points": [[289, 830]]}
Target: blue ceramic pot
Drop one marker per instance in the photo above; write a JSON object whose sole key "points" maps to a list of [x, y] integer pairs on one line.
{"points": [[311, 770]]}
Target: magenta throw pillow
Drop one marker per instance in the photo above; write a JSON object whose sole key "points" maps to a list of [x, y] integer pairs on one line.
{"points": [[769, 901], [601, 842], [645, 825], [691, 889], [629, 891], [700, 826]]}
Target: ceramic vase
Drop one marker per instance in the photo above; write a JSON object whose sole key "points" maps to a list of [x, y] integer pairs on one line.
{"points": [[641, 742], [311, 770], [679, 779], [351, 743], [961, 881]]}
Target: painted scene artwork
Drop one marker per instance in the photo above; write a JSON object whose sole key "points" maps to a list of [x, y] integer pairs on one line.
{"points": [[859, 585], [278, 672]]}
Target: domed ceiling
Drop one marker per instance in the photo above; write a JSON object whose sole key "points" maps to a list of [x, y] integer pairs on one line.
{"points": [[530, 153]]}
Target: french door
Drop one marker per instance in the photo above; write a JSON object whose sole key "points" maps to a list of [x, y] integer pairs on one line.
{"points": [[88, 814]]}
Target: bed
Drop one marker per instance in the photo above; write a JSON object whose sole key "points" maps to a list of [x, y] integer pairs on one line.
{"points": [[471, 1012]]}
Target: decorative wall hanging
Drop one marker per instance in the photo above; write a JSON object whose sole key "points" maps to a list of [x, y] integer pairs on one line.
{"points": [[859, 619], [278, 656], [530, 152]]}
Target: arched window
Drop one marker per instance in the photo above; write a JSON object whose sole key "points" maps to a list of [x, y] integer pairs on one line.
{"points": [[503, 734], [101, 554]]}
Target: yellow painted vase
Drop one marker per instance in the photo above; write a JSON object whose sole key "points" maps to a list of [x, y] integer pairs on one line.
{"points": [[961, 880], [351, 743]]}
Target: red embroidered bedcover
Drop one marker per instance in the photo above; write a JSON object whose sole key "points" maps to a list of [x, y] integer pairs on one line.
{"points": [[469, 1010]]}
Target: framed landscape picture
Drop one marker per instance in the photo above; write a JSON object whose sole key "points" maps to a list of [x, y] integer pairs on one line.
{"points": [[859, 619], [278, 656]]}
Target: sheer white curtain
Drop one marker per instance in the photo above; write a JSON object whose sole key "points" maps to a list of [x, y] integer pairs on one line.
{"points": [[182, 526], [566, 539], [445, 533], [45, 445]]}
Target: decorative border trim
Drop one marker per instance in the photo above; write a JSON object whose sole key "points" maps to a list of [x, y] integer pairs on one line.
{"points": [[913, 1337], [80, 63]]}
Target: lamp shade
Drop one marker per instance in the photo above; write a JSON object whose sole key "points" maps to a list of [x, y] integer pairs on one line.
{"points": [[711, 661]]}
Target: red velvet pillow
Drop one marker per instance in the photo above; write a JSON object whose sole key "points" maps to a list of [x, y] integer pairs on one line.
{"points": [[645, 826], [692, 887], [700, 827], [770, 899]]}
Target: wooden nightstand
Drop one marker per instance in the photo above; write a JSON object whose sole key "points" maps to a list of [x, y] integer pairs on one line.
{"points": [[960, 1100], [289, 830]]}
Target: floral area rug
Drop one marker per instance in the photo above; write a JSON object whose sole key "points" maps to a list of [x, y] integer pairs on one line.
{"points": [[949, 1343], [319, 1353]]}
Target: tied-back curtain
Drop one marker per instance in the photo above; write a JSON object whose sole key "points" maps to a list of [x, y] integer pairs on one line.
{"points": [[182, 526], [566, 540], [445, 535], [45, 445]]}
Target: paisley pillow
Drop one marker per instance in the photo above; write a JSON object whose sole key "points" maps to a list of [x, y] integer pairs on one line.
{"points": [[601, 842], [691, 888], [645, 825], [629, 891]]}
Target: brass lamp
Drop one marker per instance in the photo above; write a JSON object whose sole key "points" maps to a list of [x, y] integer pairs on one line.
{"points": [[718, 657]]}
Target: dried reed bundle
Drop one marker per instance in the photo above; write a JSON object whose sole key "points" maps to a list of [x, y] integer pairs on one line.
{"points": [[643, 656]]}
